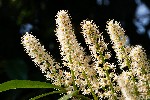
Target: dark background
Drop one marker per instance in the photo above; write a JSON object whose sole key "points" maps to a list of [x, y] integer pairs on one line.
{"points": [[38, 17]]}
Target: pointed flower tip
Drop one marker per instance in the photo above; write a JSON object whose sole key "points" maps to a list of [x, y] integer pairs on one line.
{"points": [[63, 18], [89, 27], [112, 23], [62, 13]]}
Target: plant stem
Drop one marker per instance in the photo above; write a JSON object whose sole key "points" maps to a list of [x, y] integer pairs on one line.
{"points": [[144, 72], [82, 97], [106, 71], [73, 78], [89, 85], [129, 66], [72, 75], [111, 86], [107, 75]]}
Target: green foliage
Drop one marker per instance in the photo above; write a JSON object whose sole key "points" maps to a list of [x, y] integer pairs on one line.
{"points": [[13, 84], [66, 97], [42, 95]]}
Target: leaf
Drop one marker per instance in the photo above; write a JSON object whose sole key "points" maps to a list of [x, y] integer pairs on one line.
{"points": [[82, 97], [66, 97], [14, 84], [42, 95]]}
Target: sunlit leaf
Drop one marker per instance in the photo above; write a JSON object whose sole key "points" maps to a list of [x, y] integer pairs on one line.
{"points": [[14, 84]]}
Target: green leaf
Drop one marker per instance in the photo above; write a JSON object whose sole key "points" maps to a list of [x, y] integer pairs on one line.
{"points": [[13, 84], [66, 97], [42, 95], [82, 97]]}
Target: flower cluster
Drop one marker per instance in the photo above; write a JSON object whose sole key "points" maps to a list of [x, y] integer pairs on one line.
{"points": [[42, 58], [93, 75]]}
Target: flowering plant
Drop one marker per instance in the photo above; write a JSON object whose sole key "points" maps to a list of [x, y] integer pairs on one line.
{"points": [[94, 74]]}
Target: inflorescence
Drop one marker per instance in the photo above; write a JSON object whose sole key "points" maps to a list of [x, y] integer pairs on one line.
{"points": [[98, 78]]}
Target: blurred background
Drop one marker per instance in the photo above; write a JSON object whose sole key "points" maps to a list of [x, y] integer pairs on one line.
{"points": [[38, 17]]}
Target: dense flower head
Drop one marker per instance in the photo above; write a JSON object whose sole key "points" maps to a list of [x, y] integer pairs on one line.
{"points": [[36, 51], [140, 64], [118, 39], [141, 69], [93, 39], [70, 48], [117, 33], [126, 84], [41, 58]]}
